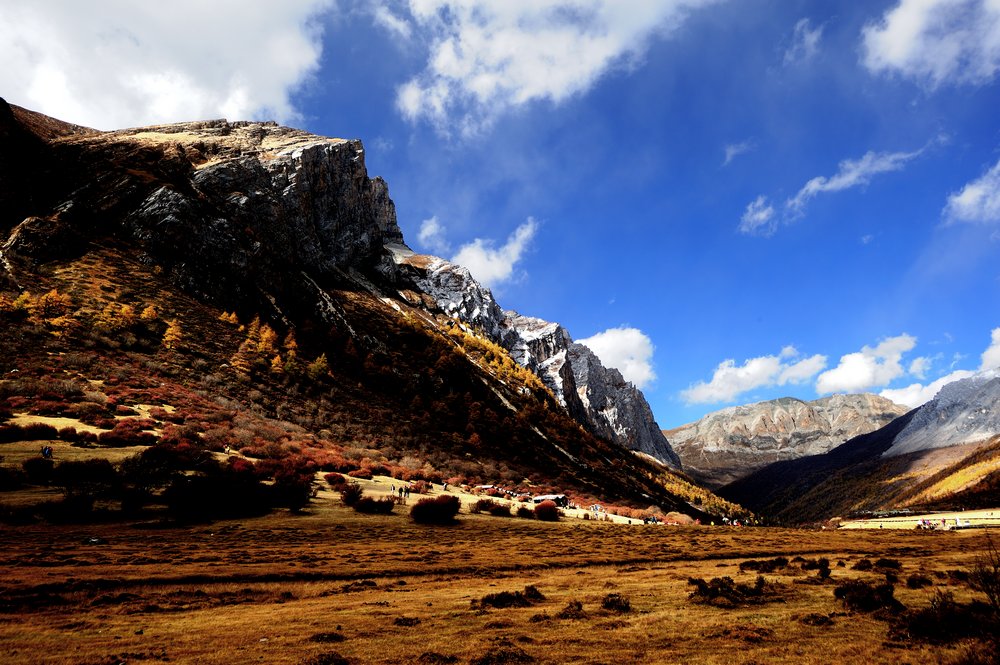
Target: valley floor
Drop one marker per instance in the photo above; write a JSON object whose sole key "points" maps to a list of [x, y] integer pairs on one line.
{"points": [[942, 520], [332, 586]]}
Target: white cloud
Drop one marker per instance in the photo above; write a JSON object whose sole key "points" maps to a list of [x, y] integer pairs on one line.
{"points": [[919, 366], [432, 236], [979, 200], [729, 380], [734, 150], [917, 394], [111, 64], [758, 218], [867, 368], [398, 27], [936, 42], [629, 350], [991, 356], [492, 266], [851, 173], [805, 42], [490, 56]]}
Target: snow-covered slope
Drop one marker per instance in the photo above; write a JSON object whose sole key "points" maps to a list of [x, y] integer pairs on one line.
{"points": [[965, 411]]}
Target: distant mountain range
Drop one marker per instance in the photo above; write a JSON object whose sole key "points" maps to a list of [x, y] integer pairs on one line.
{"points": [[730, 444], [945, 453]]}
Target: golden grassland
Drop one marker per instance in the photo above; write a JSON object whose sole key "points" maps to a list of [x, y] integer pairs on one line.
{"points": [[381, 589]]}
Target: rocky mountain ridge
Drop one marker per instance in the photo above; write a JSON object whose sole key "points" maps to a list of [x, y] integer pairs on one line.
{"points": [[734, 442], [596, 396]]}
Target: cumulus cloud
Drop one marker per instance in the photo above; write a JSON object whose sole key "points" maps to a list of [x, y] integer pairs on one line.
{"points": [[917, 394], [868, 368], [758, 218], [491, 56], [432, 236], [979, 200], [991, 356], [495, 265], [729, 380], [110, 64], [936, 42], [734, 150], [629, 350], [805, 42]]}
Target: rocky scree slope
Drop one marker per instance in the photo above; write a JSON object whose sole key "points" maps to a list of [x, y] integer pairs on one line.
{"points": [[732, 443], [277, 222]]}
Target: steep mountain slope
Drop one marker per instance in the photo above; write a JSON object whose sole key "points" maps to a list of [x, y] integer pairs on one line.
{"points": [[730, 444], [597, 397], [945, 453], [187, 222]]}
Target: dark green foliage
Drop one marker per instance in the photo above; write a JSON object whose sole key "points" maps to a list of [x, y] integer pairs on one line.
{"points": [[764, 566], [38, 470]]}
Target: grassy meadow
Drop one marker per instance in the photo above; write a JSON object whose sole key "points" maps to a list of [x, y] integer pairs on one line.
{"points": [[332, 586]]}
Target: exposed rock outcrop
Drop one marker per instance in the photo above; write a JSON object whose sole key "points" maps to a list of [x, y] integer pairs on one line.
{"points": [[733, 443]]}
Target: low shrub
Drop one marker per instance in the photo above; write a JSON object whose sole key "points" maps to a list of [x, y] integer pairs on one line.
{"points": [[573, 610], [863, 565], [367, 504], [351, 493], [335, 480], [918, 581], [504, 599], [764, 566], [860, 596], [363, 474], [615, 602], [482, 505], [724, 592], [888, 564], [38, 470], [29, 432], [528, 513], [126, 432], [548, 511], [439, 510]]}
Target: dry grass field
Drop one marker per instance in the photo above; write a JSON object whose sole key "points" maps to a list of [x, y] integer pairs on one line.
{"points": [[333, 586]]}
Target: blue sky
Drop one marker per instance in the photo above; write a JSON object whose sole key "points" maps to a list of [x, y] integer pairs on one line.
{"points": [[732, 201]]}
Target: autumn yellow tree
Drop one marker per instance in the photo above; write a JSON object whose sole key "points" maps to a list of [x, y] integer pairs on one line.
{"points": [[318, 368], [173, 335]]}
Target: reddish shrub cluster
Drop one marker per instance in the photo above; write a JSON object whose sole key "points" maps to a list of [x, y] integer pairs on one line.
{"points": [[367, 504], [30, 432], [548, 511], [439, 510], [127, 432], [335, 480], [364, 474]]}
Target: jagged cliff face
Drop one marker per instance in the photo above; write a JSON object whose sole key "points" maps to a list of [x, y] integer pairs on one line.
{"points": [[733, 443], [597, 397], [264, 217]]}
